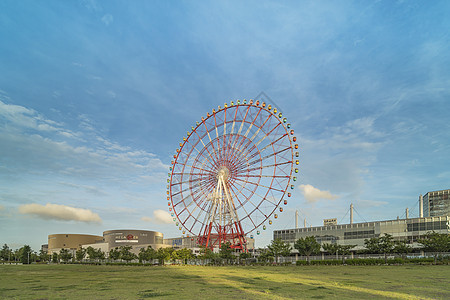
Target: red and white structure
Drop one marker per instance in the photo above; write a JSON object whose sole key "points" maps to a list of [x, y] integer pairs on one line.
{"points": [[232, 172]]}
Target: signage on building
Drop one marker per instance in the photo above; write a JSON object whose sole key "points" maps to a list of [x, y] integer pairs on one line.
{"points": [[127, 238], [329, 222]]}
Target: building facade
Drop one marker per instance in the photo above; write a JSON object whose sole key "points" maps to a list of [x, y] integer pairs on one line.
{"points": [[409, 230], [436, 203], [130, 237], [70, 241]]}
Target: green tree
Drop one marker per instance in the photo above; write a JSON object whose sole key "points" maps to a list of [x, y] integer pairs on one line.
{"points": [[126, 254], [146, 254], [265, 255], [243, 256], [164, 254], [65, 255], [331, 248], [99, 254], [279, 248], [307, 246], [43, 255], [345, 250], [386, 244], [205, 253], [226, 252], [402, 248], [95, 254], [5, 253], [184, 254], [25, 254], [372, 245], [80, 254], [114, 254], [91, 253], [435, 243], [55, 258]]}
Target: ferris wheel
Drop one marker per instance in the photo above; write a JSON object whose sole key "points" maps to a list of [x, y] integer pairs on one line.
{"points": [[232, 173]]}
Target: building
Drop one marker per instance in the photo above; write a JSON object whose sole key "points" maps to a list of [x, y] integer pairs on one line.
{"points": [[137, 239], [436, 203], [409, 230], [70, 241], [191, 243]]}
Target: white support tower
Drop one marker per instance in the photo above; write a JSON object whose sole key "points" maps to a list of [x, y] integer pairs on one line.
{"points": [[351, 213], [296, 219], [420, 206]]}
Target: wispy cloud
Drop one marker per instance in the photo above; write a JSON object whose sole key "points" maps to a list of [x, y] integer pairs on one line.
{"points": [[46, 146], [313, 194], [89, 189], [60, 212], [159, 217], [107, 19]]}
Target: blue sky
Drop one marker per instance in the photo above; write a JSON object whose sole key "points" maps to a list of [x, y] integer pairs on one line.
{"points": [[96, 95]]}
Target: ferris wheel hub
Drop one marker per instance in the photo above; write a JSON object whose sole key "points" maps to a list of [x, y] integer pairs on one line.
{"points": [[223, 173]]}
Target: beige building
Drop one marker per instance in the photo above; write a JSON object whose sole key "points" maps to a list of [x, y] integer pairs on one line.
{"points": [[70, 241]]}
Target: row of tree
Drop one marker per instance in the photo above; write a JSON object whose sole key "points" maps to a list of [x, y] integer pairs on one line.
{"points": [[432, 242], [23, 255]]}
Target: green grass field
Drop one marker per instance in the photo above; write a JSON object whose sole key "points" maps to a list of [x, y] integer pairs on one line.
{"points": [[198, 282]]}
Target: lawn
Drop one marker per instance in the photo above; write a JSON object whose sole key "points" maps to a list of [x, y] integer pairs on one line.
{"points": [[197, 282]]}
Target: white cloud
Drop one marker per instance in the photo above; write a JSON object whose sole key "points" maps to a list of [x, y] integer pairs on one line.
{"points": [[107, 19], [159, 217], [60, 212], [313, 194]]}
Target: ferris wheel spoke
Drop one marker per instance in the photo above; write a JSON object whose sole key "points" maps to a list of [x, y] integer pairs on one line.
{"points": [[210, 142], [268, 156], [269, 166], [243, 207], [247, 132], [244, 148], [265, 198], [206, 148], [247, 199], [263, 176], [264, 186], [249, 150]]}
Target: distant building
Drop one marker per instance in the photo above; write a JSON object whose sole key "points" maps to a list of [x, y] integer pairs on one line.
{"points": [[70, 241], [436, 203], [44, 248], [191, 243], [409, 230]]}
